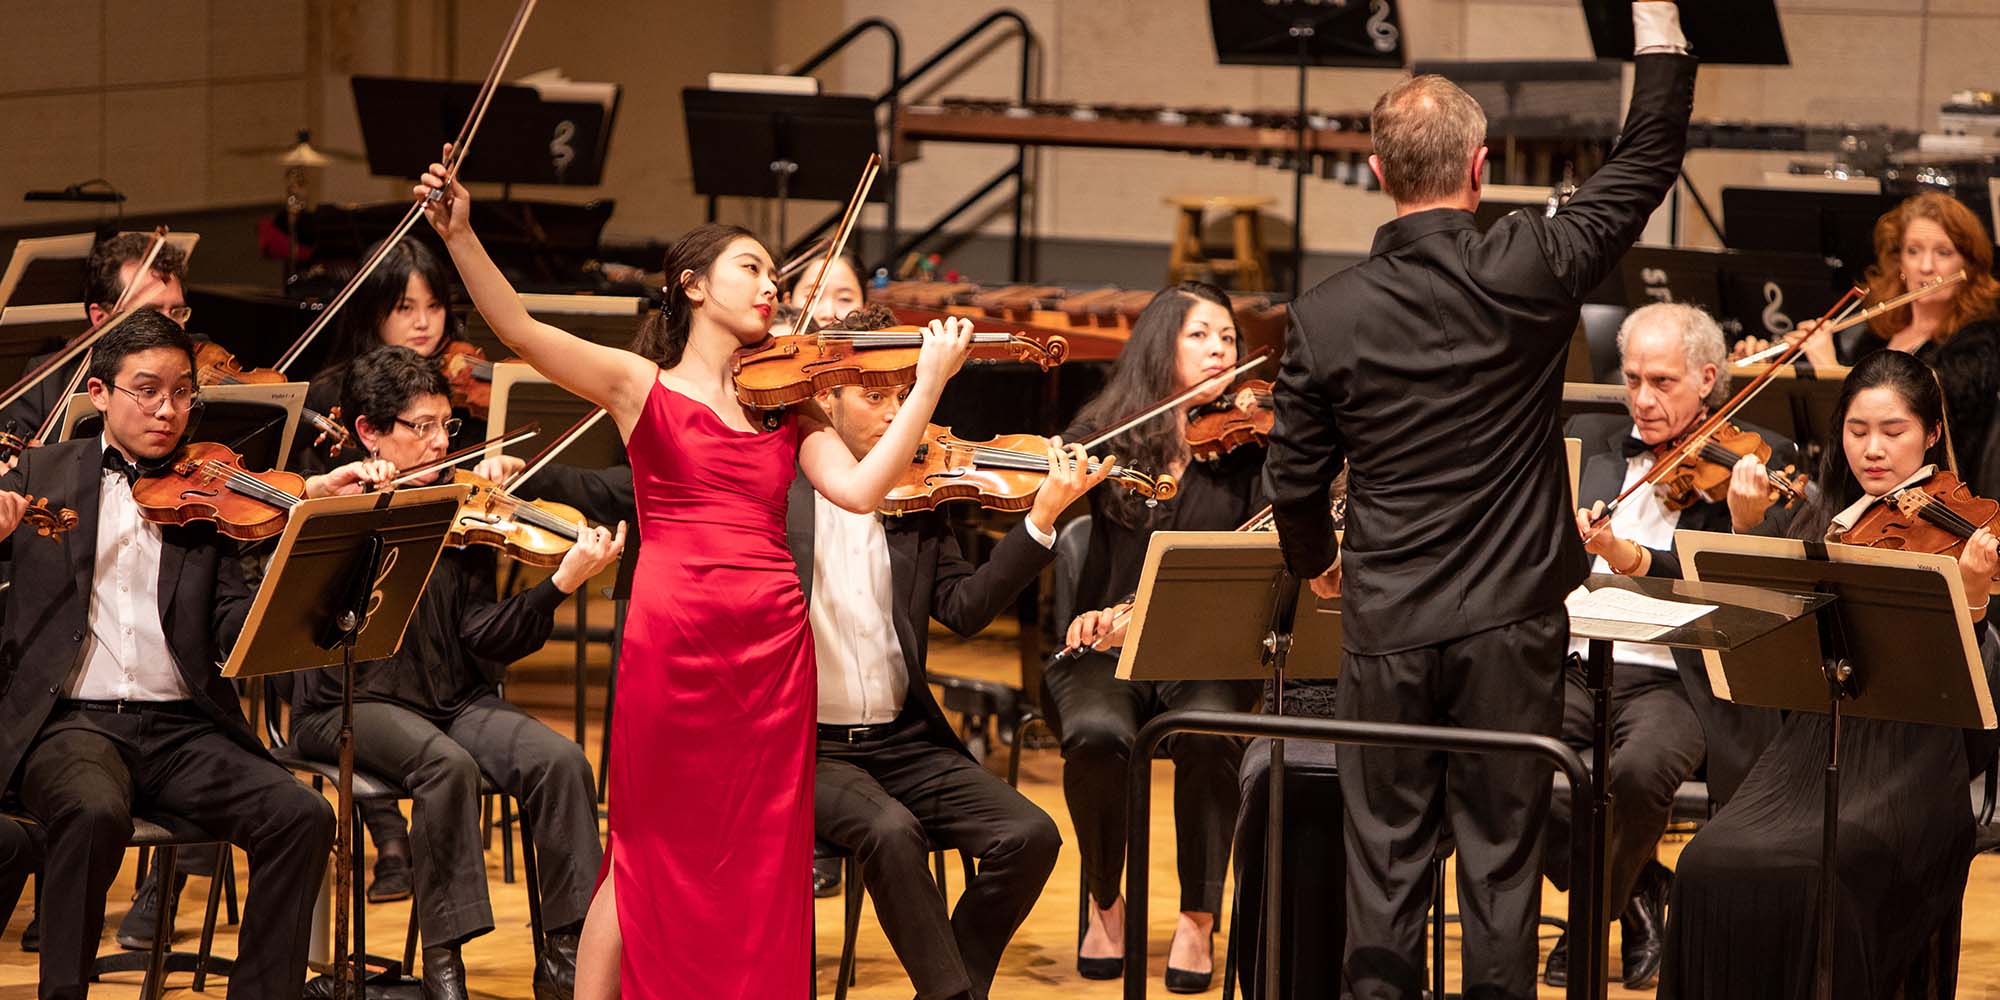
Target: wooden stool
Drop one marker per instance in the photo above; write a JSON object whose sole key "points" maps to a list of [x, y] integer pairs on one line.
{"points": [[1251, 265]]}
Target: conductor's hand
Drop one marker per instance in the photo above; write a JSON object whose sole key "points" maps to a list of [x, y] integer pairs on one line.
{"points": [[12, 506], [1100, 629], [1749, 494], [946, 343], [1069, 478], [1327, 584], [595, 549], [1604, 542], [1978, 564], [450, 213], [499, 468], [352, 478]]}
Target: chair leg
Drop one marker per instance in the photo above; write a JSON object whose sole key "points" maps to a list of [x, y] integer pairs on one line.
{"points": [[410, 940], [1082, 910], [851, 926], [215, 882], [359, 907], [1028, 718], [163, 928], [937, 872], [533, 880], [1437, 929], [486, 820], [505, 805], [229, 890], [1229, 955]]}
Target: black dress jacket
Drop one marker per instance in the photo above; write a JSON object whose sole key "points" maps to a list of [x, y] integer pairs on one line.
{"points": [[1434, 370], [929, 578], [203, 601]]}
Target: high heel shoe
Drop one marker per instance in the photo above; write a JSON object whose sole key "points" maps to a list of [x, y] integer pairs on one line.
{"points": [[1100, 968], [1184, 981]]}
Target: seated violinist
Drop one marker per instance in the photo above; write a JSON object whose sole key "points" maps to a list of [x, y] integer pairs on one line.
{"points": [[112, 695], [1672, 357], [892, 778], [431, 717], [1742, 919]]}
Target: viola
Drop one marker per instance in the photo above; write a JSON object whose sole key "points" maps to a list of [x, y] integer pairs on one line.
{"points": [[206, 481], [1938, 515], [214, 365], [788, 369], [1000, 473], [1242, 416], [535, 532], [1703, 473], [470, 373]]}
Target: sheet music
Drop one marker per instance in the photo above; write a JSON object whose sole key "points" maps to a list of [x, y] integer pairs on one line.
{"points": [[1617, 614]]}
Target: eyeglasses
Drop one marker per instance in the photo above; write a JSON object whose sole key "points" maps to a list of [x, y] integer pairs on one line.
{"points": [[149, 397], [179, 314], [430, 427]]}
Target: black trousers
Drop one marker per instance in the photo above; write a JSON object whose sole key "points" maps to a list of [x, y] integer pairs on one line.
{"points": [[1314, 876], [886, 800], [83, 778], [21, 850], [1655, 745], [1097, 716], [1507, 678], [441, 766]]}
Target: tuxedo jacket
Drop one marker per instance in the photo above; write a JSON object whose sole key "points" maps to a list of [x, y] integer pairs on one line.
{"points": [[1434, 371], [929, 578], [203, 601]]}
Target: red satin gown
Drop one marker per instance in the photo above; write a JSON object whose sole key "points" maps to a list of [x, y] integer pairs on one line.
{"points": [[712, 747]]}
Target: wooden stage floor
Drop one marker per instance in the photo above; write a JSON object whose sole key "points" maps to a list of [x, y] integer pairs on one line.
{"points": [[1040, 962]]}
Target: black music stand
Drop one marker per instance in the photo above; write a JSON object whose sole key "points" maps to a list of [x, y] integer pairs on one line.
{"points": [[1892, 641], [1836, 225], [352, 569], [755, 145], [526, 139], [1739, 32], [1799, 401], [1305, 34]]}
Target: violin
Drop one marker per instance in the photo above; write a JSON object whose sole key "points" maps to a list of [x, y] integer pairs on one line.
{"points": [[788, 369], [535, 532], [1703, 473], [1000, 473], [466, 367], [1936, 516], [214, 365], [206, 481], [1242, 415], [48, 522]]}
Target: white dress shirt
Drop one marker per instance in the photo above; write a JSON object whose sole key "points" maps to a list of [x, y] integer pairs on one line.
{"points": [[1643, 519], [863, 678], [125, 657]]}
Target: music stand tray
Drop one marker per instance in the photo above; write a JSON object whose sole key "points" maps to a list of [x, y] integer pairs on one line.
{"points": [[257, 421], [1191, 621]]}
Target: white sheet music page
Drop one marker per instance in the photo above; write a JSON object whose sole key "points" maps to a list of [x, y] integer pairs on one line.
{"points": [[1627, 615]]}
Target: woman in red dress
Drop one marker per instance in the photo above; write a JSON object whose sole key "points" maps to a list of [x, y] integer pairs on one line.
{"points": [[710, 852]]}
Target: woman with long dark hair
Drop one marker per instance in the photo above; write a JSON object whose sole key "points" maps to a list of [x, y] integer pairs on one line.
{"points": [[1185, 337], [1741, 921], [707, 884]]}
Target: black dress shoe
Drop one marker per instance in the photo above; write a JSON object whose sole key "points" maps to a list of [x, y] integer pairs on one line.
{"points": [[135, 932], [1642, 927], [1100, 968], [1183, 981], [444, 974], [555, 968], [391, 880], [1556, 972], [31, 935], [826, 878]]}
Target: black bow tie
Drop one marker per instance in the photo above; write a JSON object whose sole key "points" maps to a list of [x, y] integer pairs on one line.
{"points": [[115, 461], [1632, 447]]}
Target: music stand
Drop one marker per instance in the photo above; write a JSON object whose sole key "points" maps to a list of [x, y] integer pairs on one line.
{"points": [[1799, 400], [1892, 641], [782, 146], [257, 421], [352, 569], [1304, 34], [1742, 32], [528, 139]]}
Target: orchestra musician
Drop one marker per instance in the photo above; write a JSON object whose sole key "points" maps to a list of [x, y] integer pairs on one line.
{"points": [[1434, 370], [716, 668], [1748, 880], [1955, 330], [114, 696], [842, 294], [1184, 339], [892, 778], [1671, 355], [431, 717]]}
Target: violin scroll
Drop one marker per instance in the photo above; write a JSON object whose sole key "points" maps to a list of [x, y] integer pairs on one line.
{"points": [[48, 521]]}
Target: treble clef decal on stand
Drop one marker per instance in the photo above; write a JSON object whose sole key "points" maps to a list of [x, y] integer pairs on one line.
{"points": [[1774, 316], [1381, 30], [560, 152], [375, 594]]}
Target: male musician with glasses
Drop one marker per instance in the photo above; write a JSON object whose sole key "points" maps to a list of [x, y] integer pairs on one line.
{"points": [[109, 692], [1434, 370]]}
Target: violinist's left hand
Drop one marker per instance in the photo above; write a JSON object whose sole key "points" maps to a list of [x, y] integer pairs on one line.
{"points": [[352, 478], [1749, 493], [1978, 565], [498, 469], [946, 344], [595, 549], [1069, 478], [1327, 584]]}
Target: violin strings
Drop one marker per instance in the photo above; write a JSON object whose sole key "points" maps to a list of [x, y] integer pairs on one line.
{"points": [[1931, 509], [877, 339], [1002, 458], [248, 485]]}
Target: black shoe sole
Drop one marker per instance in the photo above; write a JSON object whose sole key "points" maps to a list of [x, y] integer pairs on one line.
{"points": [[1183, 981], [1100, 968]]}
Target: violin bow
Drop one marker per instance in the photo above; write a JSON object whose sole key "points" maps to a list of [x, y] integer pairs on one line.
{"points": [[1092, 445], [840, 235], [802, 258], [454, 160], [467, 454], [555, 447]]}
